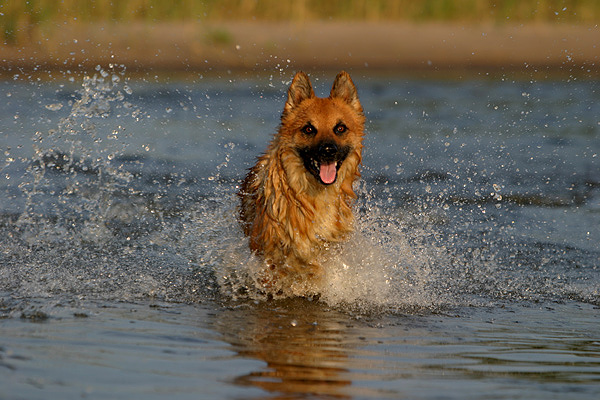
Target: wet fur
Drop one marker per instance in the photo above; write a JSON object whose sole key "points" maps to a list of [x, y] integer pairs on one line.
{"points": [[288, 212]]}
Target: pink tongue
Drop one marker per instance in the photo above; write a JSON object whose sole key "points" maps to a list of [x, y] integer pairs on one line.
{"points": [[327, 172]]}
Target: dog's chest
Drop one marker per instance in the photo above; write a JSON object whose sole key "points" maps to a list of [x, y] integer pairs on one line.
{"points": [[328, 221]]}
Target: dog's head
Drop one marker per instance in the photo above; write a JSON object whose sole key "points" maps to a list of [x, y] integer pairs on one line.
{"points": [[324, 133]]}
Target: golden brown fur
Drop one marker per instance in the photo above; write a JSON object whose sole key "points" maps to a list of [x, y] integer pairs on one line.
{"points": [[290, 208]]}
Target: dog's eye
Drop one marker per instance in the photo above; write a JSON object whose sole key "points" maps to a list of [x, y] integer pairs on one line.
{"points": [[339, 129], [309, 130]]}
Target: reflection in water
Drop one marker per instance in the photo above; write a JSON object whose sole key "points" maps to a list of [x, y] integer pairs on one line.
{"points": [[304, 345], [311, 350]]}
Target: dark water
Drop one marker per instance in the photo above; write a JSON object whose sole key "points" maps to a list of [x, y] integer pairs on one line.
{"points": [[474, 271]]}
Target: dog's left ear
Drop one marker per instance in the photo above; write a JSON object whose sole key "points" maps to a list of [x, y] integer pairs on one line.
{"points": [[343, 88], [299, 90]]}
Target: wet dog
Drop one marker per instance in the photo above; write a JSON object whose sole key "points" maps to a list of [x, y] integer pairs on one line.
{"points": [[297, 199]]}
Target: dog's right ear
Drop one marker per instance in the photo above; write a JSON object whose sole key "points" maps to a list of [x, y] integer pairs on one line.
{"points": [[299, 90]]}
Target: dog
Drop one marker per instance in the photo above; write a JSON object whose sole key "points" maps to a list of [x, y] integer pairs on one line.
{"points": [[297, 199]]}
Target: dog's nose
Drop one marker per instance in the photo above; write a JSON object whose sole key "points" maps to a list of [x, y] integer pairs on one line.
{"points": [[328, 149]]}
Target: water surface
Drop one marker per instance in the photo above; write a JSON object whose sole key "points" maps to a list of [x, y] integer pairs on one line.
{"points": [[474, 271]]}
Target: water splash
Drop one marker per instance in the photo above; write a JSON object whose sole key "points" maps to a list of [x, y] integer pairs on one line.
{"points": [[387, 263], [71, 175]]}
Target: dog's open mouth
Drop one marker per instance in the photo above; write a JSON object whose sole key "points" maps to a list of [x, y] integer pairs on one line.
{"points": [[327, 171], [323, 161]]}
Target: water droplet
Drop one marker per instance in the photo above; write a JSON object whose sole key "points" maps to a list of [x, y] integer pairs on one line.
{"points": [[54, 107]]}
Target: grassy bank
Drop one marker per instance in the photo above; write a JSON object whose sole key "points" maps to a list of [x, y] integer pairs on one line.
{"points": [[18, 18]]}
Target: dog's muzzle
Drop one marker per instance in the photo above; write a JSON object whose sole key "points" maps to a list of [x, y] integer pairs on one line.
{"points": [[324, 160]]}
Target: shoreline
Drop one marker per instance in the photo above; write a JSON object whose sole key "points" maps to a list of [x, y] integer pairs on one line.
{"points": [[256, 46]]}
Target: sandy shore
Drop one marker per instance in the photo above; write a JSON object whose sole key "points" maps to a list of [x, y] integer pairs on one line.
{"points": [[314, 45]]}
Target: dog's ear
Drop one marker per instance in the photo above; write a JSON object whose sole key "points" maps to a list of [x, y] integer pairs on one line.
{"points": [[299, 90], [343, 88]]}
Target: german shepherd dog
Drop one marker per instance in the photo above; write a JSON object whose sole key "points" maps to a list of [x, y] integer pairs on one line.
{"points": [[297, 199]]}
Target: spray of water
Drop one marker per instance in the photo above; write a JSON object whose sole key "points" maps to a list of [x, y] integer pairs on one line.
{"points": [[384, 264], [72, 175]]}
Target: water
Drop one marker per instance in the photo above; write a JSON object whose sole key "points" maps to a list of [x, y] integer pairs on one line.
{"points": [[474, 271]]}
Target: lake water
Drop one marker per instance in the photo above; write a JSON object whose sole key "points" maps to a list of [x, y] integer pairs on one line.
{"points": [[474, 272]]}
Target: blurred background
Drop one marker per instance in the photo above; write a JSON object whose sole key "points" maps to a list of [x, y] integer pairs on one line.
{"points": [[193, 35]]}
